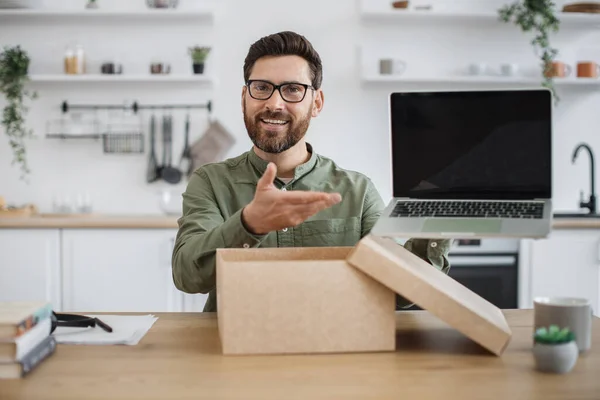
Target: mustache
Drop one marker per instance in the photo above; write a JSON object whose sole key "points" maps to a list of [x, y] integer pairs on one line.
{"points": [[274, 115]]}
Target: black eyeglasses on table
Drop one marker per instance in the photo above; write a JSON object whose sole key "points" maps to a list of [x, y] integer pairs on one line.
{"points": [[76, 321], [292, 92]]}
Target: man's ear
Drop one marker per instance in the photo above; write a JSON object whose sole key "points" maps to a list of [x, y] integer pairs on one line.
{"points": [[243, 95], [317, 103]]}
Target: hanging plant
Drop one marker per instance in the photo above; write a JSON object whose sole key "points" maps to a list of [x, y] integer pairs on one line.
{"points": [[536, 16], [14, 65]]}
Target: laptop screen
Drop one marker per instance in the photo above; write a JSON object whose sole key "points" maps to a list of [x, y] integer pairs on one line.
{"points": [[472, 144]]}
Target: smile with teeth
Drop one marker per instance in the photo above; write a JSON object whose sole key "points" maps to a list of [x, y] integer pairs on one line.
{"points": [[274, 121]]}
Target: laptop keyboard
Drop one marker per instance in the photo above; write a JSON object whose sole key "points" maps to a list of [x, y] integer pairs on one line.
{"points": [[469, 209]]}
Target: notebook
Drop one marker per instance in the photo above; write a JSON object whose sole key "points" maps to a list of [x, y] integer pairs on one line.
{"points": [[18, 317]]}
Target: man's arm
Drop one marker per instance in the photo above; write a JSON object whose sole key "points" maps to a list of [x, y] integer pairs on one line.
{"points": [[435, 252], [202, 229]]}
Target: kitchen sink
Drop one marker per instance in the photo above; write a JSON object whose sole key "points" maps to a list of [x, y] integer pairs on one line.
{"points": [[575, 215]]}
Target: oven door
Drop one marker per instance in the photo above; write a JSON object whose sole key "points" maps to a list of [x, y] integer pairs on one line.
{"points": [[493, 277]]}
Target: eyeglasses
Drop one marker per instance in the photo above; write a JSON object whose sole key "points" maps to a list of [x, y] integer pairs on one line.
{"points": [[290, 92], [76, 321]]}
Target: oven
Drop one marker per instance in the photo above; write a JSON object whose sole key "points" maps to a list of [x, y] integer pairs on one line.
{"points": [[488, 267]]}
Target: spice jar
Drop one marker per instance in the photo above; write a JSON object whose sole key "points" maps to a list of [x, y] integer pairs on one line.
{"points": [[69, 61]]}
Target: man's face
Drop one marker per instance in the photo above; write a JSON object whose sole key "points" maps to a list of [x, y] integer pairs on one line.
{"points": [[275, 125]]}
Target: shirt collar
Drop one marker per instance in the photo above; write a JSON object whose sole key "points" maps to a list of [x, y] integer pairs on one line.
{"points": [[300, 171]]}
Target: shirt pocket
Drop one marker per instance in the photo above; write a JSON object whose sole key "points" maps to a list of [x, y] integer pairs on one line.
{"points": [[330, 232]]}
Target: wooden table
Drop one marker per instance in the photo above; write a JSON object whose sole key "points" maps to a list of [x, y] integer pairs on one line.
{"points": [[180, 357]]}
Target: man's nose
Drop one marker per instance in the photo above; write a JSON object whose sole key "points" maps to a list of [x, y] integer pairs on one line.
{"points": [[275, 102]]}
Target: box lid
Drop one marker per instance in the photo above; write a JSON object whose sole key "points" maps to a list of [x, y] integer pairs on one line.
{"points": [[431, 289]]}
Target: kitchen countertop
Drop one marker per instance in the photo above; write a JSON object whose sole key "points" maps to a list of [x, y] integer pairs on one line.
{"points": [[157, 221], [181, 357], [576, 223]]}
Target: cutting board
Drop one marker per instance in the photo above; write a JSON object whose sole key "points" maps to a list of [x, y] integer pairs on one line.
{"points": [[582, 7], [25, 211]]}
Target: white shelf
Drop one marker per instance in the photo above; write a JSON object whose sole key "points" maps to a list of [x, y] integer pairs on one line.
{"points": [[491, 80], [204, 13], [576, 20], [142, 78]]}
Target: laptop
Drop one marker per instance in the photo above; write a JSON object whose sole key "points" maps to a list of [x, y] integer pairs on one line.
{"points": [[470, 164]]}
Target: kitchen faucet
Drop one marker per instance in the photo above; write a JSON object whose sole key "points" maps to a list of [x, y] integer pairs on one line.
{"points": [[591, 203]]}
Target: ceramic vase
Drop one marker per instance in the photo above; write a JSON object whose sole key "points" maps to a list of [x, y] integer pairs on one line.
{"points": [[555, 358]]}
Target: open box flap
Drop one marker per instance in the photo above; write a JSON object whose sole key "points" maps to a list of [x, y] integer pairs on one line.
{"points": [[431, 289]]}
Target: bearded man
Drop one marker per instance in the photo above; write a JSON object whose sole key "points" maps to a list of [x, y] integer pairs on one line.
{"points": [[280, 193]]}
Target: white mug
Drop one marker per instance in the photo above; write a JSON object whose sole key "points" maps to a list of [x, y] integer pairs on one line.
{"points": [[389, 66], [477, 68], [509, 69], [571, 312]]}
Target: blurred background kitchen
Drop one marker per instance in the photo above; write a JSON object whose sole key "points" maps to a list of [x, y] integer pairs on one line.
{"points": [[110, 73]]}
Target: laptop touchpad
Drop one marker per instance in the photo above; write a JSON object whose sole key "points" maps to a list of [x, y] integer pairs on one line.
{"points": [[462, 225]]}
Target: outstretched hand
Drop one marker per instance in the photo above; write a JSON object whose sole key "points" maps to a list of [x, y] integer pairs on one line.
{"points": [[273, 209]]}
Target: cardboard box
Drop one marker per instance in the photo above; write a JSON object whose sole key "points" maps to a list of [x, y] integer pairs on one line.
{"points": [[300, 300], [432, 290], [339, 299]]}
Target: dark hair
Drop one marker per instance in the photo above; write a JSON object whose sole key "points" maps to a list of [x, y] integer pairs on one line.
{"points": [[285, 44]]}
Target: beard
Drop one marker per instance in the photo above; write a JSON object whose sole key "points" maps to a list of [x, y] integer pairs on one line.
{"points": [[272, 141]]}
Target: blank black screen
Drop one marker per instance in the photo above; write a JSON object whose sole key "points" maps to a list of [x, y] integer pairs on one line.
{"points": [[476, 144]]}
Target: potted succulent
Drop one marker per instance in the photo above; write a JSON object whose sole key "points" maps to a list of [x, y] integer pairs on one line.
{"points": [[539, 18], [198, 55], [555, 349], [14, 65]]}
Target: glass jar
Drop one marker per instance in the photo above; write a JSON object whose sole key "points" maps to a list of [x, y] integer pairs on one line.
{"points": [[69, 62], [79, 60]]}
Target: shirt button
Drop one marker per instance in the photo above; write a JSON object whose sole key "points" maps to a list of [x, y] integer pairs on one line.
{"points": [[284, 229], [433, 244], [246, 245]]}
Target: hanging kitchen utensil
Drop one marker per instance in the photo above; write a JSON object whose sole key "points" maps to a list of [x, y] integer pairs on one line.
{"points": [[160, 167], [169, 173], [185, 163], [152, 172]]}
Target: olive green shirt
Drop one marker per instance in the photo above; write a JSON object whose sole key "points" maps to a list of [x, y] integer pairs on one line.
{"points": [[216, 194]]}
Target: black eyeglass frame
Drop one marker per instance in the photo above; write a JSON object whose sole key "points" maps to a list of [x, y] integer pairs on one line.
{"points": [[76, 321], [278, 88]]}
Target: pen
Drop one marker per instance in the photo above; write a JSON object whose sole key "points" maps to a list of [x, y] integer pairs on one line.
{"points": [[103, 325]]}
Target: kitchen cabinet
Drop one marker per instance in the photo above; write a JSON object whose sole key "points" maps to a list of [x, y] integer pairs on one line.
{"points": [[121, 270], [567, 263], [30, 265], [190, 302]]}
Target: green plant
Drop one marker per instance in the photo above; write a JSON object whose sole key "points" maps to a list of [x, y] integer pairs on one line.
{"points": [[536, 16], [199, 54], [553, 335], [14, 65]]}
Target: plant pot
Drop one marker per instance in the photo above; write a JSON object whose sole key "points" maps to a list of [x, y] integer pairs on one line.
{"points": [[198, 68], [555, 358]]}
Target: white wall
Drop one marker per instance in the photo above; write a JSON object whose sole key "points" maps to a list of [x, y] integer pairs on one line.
{"points": [[352, 128]]}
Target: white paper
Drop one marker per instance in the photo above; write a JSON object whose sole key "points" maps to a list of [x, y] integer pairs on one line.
{"points": [[127, 330]]}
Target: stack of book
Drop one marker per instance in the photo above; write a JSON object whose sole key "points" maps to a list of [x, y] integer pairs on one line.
{"points": [[25, 337]]}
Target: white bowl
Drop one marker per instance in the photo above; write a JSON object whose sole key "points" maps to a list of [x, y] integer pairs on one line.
{"points": [[170, 202]]}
